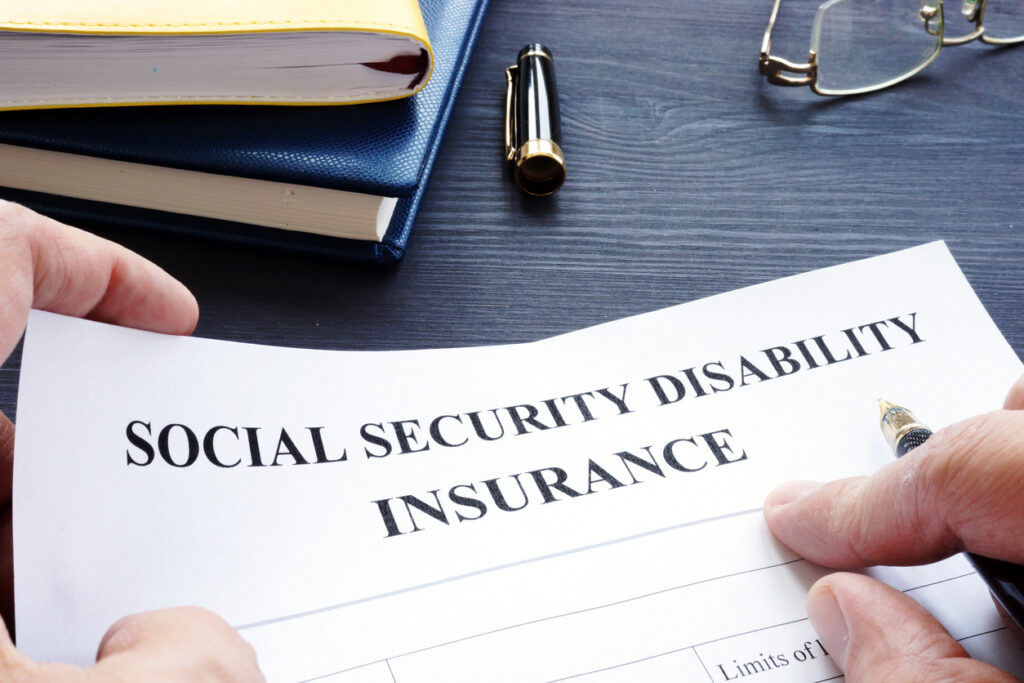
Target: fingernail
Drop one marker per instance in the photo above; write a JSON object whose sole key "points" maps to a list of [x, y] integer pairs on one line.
{"points": [[828, 620], [784, 494]]}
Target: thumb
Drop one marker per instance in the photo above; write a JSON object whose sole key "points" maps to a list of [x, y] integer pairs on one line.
{"points": [[963, 489], [875, 633], [183, 643]]}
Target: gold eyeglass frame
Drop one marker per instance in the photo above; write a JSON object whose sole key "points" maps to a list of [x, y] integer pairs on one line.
{"points": [[781, 71]]}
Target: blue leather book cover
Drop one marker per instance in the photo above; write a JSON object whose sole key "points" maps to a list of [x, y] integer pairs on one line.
{"points": [[385, 149]]}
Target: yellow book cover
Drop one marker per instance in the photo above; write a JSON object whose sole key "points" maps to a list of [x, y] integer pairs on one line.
{"points": [[56, 53]]}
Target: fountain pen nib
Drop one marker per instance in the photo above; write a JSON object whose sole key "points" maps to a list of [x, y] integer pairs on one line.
{"points": [[884, 407], [896, 422]]}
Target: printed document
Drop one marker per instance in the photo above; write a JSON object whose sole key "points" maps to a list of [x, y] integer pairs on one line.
{"points": [[586, 507]]}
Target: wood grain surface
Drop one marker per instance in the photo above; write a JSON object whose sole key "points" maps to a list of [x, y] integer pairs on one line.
{"points": [[688, 176]]}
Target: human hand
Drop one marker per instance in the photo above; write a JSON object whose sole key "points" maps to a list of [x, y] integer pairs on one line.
{"points": [[163, 646], [47, 265], [963, 489]]}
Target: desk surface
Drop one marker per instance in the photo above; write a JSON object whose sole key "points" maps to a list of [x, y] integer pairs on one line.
{"points": [[688, 176]]}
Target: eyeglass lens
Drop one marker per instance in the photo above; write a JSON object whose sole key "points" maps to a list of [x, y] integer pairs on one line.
{"points": [[866, 44], [1004, 19]]}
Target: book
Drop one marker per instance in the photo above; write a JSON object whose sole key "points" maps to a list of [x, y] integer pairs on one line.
{"points": [[317, 169], [107, 53], [587, 506]]}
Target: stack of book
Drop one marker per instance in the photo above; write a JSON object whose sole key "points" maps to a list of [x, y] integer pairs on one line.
{"points": [[343, 181]]}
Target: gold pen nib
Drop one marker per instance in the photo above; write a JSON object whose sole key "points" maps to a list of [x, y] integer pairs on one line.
{"points": [[896, 421], [884, 407]]}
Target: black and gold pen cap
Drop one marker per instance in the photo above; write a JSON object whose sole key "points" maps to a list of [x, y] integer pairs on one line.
{"points": [[532, 122]]}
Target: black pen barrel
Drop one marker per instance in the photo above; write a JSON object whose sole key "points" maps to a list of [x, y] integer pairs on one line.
{"points": [[538, 160], [538, 114], [1006, 582]]}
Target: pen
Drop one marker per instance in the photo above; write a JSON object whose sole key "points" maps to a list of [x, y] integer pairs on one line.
{"points": [[1005, 579]]}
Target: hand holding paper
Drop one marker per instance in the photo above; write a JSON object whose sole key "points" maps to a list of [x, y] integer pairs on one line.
{"points": [[54, 267], [46, 265], [162, 646]]}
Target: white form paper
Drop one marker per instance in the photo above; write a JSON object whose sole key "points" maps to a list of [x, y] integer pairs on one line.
{"points": [[585, 507]]}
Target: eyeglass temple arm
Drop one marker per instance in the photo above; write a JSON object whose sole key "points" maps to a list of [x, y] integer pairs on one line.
{"points": [[772, 67]]}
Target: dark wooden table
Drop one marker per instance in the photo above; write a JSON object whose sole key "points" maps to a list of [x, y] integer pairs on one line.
{"points": [[688, 176]]}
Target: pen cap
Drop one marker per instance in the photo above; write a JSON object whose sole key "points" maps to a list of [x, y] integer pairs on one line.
{"points": [[533, 123]]}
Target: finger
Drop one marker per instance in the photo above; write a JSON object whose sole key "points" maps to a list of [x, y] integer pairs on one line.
{"points": [[875, 633], [6, 567], [183, 643], [962, 490], [6, 544], [48, 265], [1015, 397], [6, 458], [12, 662]]}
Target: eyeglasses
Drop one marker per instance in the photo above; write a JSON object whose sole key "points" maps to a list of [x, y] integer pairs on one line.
{"points": [[858, 46]]}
